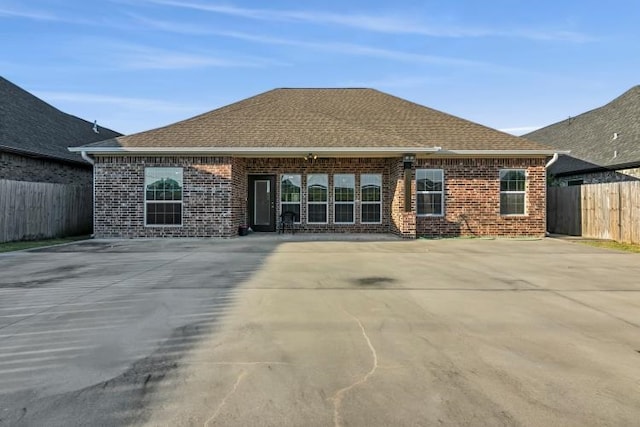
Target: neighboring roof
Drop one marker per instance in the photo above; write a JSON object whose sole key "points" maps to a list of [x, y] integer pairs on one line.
{"points": [[30, 126], [300, 119], [607, 137]]}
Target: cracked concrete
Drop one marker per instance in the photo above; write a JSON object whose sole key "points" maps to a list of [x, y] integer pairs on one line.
{"points": [[451, 332], [460, 332], [337, 397]]}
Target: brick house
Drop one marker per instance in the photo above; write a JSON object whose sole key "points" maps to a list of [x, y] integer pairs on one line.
{"points": [[343, 160], [34, 137], [604, 143]]}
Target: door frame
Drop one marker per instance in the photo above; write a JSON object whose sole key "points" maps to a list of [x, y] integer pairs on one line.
{"points": [[251, 201]]}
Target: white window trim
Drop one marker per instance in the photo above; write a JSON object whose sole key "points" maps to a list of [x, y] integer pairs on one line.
{"points": [[325, 203], [524, 192], [291, 203], [441, 192], [146, 202], [379, 203], [353, 203]]}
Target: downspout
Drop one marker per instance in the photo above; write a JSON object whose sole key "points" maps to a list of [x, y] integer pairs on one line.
{"points": [[549, 163], [546, 167], [85, 156]]}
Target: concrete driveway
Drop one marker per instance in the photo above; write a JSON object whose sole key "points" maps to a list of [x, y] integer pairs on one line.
{"points": [[264, 331]]}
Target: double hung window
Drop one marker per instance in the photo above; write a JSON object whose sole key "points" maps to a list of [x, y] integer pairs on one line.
{"points": [[371, 198], [344, 197], [430, 192], [512, 191], [163, 196], [317, 198], [290, 194]]}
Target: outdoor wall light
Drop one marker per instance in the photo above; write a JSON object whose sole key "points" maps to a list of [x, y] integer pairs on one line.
{"points": [[310, 157], [408, 160]]}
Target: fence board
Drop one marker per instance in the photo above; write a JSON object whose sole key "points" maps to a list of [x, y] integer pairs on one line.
{"points": [[37, 210], [601, 211]]}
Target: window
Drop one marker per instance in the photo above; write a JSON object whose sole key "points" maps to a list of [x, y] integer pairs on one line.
{"points": [[317, 193], [163, 196], [512, 185], [290, 194], [371, 198], [430, 192], [344, 197]]}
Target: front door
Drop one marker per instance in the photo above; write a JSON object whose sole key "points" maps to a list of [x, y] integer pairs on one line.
{"points": [[262, 202]]}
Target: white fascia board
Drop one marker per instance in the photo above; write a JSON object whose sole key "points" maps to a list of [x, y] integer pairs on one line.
{"points": [[258, 150], [502, 152], [327, 151]]}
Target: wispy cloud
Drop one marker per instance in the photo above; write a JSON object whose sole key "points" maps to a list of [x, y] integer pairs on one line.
{"points": [[138, 57], [146, 104], [381, 24], [333, 47], [21, 12]]}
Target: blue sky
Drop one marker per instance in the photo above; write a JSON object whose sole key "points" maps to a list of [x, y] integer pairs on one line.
{"points": [[139, 64]]}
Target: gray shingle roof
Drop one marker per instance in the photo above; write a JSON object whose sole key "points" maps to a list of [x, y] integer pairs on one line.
{"points": [[31, 126], [333, 118], [590, 136]]}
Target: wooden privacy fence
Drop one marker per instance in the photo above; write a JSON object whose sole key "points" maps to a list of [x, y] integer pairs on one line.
{"points": [[601, 211], [37, 210]]}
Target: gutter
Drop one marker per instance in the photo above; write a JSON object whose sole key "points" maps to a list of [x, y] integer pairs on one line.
{"points": [[327, 151], [552, 161]]}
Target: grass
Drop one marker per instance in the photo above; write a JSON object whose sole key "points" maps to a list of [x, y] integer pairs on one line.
{"points": [[30, 244], [610, 244]]}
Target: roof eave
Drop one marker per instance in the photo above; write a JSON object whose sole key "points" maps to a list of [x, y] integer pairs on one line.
{"points": [[324, 151]]}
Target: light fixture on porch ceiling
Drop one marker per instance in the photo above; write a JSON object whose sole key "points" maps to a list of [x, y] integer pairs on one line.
{"points": [[310, 157], [408, 160]]}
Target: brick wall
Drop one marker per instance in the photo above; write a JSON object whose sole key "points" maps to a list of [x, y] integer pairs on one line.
{"points": [[22, 168], [207, 197], [354, 166], [472, 199], [215, 196], [403, 223]]}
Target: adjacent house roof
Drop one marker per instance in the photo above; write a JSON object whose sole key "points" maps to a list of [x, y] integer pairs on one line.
{"points": [[321, 120], [32, 127], [607, 137]]}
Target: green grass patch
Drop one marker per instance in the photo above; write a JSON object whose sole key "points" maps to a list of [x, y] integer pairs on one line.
{"points": [[30, 244], [610, 244]]}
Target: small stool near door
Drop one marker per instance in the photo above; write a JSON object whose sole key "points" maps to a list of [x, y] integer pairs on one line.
{"points": [[288, 220]]}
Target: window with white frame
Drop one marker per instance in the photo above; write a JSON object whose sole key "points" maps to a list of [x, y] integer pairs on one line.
{"points": [[430, 192], [290, 194], [163, 196], [317, 198], [371, 198], [344, 197], [512, 191]]}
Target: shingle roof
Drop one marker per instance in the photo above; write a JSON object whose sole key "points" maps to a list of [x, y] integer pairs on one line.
{"points": [[590, 136], [334, 118], [31, 126]]}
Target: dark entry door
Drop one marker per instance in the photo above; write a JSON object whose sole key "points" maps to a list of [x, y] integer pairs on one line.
{"points": [[262, 202]]}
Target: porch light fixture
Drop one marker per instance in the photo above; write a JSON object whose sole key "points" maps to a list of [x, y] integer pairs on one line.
{"points": [[408, 160], [310, 157]]}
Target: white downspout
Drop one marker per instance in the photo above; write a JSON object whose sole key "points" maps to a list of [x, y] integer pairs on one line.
{"points": [[549, 163], [85, 156]]}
